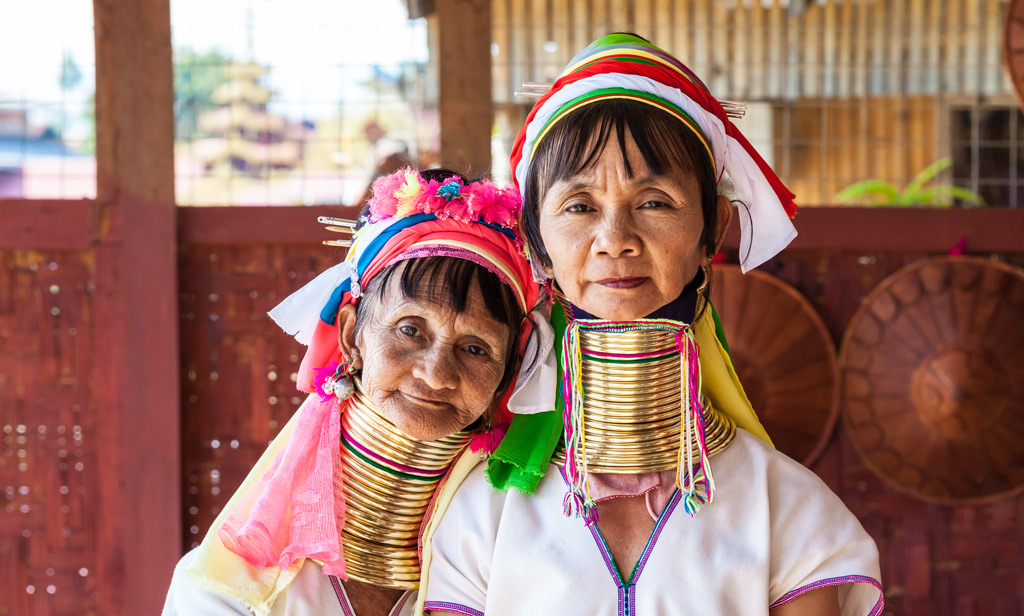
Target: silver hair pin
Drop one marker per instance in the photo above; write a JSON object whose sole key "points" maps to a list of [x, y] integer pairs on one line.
{"points": [[341, 222], [339, 243]]}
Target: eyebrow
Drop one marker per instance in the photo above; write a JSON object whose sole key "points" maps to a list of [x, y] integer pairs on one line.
{"points": [[493, 340], [434, 309], [644, 182]]}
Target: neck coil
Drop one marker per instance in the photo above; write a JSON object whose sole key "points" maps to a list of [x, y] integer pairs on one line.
{"points": [[632, 404], [388, 480]]}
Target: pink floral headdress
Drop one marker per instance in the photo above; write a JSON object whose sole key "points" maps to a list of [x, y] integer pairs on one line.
{"points": [[406, 192]]}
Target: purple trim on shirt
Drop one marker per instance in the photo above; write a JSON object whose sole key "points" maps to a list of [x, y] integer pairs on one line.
{"points": [[627, 591], [609, 562], [342, 598], [660, 526], [444, 606], [846, 579]]}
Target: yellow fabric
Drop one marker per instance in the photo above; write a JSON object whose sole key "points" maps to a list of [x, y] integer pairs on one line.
{"points": [[463, 466], [221, 571], [720, 383]]}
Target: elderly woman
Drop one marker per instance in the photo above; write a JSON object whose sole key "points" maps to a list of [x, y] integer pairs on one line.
{"points": [[414, 341], [620, 165]]}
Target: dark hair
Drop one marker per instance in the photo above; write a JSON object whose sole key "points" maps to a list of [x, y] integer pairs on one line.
{"points": [[576, 142], [447, 281]]}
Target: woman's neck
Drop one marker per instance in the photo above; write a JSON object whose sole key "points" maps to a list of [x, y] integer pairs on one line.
{"points": [[371, 600]]}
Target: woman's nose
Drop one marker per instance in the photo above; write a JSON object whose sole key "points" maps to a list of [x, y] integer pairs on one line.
{"points": [[616, 236], [436, 367]]}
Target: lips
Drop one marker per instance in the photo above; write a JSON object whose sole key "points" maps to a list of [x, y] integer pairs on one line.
{"points": [[426, 402], [622, 283]]}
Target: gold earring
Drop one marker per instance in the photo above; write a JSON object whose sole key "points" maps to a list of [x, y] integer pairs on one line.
{"points": [[705, 270]]}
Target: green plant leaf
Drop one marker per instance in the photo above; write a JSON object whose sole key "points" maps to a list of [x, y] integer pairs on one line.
{"points": [[871, 192], [928, 174], [943, 196]]}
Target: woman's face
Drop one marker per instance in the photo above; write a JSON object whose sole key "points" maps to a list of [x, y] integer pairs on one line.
{"points": [[429, 371], [621, 247]]}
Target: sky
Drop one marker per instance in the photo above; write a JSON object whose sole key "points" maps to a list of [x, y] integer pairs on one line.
{"points": [[315, 47]]}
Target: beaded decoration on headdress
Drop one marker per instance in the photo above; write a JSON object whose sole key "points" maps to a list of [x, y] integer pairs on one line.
{"points": [[403, 203]]}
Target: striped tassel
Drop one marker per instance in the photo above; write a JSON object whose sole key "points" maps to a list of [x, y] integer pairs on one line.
{"points": [[694, 479], [578, 501]]}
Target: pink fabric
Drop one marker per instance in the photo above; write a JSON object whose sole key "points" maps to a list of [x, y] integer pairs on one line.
{"points": [[488, 441], [658, 487], [492, 242], [291, 512], [454, 253]]}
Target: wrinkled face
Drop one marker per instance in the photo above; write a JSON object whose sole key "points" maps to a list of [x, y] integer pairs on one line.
{"points": [[430, 371], [621, 247]]}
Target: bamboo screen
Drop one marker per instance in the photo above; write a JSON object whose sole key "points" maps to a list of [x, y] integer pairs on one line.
{"points": [[839, 91]]}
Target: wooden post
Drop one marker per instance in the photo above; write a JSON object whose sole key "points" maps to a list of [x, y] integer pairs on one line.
{"points": [[464, 72], [139, 534]]}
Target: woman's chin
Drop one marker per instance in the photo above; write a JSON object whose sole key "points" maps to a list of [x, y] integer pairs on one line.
{"points": [[613, 308], [417, 428]]}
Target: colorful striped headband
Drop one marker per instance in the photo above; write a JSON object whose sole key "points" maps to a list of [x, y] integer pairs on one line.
{"points": [[627, 67], [409, 218]]}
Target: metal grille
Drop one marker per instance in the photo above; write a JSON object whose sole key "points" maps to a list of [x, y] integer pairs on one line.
{"points": [[300, 103], [47, 81]]}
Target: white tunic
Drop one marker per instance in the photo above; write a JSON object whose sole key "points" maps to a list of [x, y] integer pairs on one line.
{"points": [[311, 594], [773, 532]]}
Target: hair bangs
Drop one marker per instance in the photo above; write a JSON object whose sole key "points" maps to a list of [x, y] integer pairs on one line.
{"points": [[575, 144], [447, 281]]}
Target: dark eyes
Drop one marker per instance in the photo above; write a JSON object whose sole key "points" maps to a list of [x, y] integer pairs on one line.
{"points": [[412, 331], [476, 350], [579, 208]]}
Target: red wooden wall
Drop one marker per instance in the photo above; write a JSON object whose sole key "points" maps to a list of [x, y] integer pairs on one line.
{"points": [[90, 466]]}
